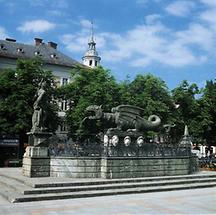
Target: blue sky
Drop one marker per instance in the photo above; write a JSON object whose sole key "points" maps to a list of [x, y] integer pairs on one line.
{"points": [[172, 39]]}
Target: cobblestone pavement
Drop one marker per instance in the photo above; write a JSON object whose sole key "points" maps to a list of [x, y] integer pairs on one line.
{"points": [[199, 201]]}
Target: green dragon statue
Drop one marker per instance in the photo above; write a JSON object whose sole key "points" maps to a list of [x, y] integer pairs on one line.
{"points": [[125, 117]]}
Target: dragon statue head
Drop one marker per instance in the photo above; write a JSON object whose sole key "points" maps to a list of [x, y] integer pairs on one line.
{"points": [[94, 112]]}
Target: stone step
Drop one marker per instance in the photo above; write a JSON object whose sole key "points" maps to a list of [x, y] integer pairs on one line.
{"points": [[21, 189], [84, 194], [118, 185], [11, 187], [13, 184], [6, 191], [92, 182]]}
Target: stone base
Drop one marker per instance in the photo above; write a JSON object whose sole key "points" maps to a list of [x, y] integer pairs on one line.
{"points": [[121, 167], [36, 162], [39, 138], [36, 152], [108, 167], [72, 167], [132, 167]]}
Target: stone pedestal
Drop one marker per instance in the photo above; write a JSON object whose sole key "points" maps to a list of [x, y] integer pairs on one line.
{"points": [[135, 167], [36, 162], [39, 138], [128, 155]]}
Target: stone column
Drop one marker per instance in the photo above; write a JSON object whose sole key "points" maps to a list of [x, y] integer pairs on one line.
{"points": [[36, 162]]}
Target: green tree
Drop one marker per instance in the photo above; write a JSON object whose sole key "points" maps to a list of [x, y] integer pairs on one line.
{"points": [[188, 111], [88, 87], [149, 93], [207, 118], [17, 90]]}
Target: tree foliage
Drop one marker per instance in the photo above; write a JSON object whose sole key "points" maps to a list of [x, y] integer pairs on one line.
{"points": [[17, 90], [87, 87], [184, 105], [207, 114], [184, 97], [149, 93]]}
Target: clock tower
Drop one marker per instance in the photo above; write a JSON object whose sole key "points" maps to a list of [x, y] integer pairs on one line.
{"points": [[91, 57]]}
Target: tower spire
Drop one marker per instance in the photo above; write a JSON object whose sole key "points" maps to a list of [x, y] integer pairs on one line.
{"points": [[91, 57], [92, 31]]}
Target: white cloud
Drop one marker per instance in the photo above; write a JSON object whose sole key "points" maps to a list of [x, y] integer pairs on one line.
{"points": [[140, 41], [85, 23], [180, 8], [209, 16], [36, 26], [198, 35], [78, 42], [209, 2], [152, 18], [3, 33], [74, 43], [145, 45], [149, 43]]}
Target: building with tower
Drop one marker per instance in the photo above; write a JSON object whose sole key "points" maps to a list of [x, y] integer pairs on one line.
{"points": [[53, 60], [91, 57]]}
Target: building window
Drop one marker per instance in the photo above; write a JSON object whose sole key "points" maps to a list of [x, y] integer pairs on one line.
{"points": [[2, 47], [20, 50], [64, 81], [53, 56], [62, 127], [95, 63], [64, 105], [37, 53], [90, 62]]}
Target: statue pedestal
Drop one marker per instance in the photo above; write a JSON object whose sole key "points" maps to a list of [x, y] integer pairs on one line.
{"points": [[36, 152], [36, 162], [39, 138]]}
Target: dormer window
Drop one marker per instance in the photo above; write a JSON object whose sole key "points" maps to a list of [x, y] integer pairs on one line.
{"points": [[64, 81], [37, 53], [20, 50], [54, 56], [2, 47]]}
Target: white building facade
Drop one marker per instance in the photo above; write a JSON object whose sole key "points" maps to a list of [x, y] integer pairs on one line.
{"points": [[53, 60]]}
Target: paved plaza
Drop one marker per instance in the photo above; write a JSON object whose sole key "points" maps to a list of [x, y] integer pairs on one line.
{"points": [[198, 201]]}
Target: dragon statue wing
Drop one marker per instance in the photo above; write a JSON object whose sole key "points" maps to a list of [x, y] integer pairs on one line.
{"points": [[131, 117], [127, 115], [130, 109]]}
